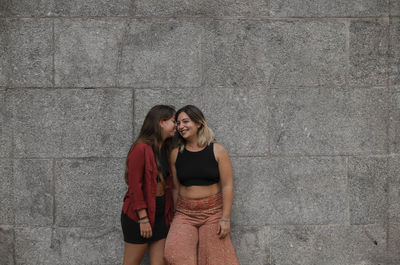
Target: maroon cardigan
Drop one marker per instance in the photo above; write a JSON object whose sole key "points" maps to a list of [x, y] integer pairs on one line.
{"points": [[142, 187]]}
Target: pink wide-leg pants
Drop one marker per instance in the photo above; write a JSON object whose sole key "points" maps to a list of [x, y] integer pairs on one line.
{"points": [[193, 239]]}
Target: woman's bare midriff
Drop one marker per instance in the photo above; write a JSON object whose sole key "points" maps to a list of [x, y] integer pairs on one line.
{"points": [[198, 192], [160, 189]]}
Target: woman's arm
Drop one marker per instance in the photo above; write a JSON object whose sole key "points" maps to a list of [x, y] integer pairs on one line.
{"points": [[226, 178], [136, 163], [135, 188], [175, 182]]}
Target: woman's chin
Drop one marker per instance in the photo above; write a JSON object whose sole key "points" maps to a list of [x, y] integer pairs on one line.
{"points": [[184, 136]]}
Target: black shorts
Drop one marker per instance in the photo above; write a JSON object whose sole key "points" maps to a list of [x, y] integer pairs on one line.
{"points": [[131, 229]]}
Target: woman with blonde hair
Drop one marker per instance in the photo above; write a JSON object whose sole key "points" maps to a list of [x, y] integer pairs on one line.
{"points": [[148, 207], [203, 195]]}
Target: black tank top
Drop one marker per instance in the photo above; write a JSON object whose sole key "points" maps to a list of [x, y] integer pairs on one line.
{"points": [[197, 168]]}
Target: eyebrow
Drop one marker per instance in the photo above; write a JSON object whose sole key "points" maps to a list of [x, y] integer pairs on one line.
{"points": [[184, 119]]}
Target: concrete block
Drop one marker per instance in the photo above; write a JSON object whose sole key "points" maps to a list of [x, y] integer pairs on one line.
{"points": [[96, 122], [6, 245], [86, 52], [5, 126], [251, 244], [394, 55], [328, 121], [7, 210], [33, 192], [368, 190], [162, 53], [289, 191], [72, 8], [32, 8], [274, 53], [37, 122], [394, 121], [328, 245], [4, 63], [394, 189], [93, 8], [394, 244], [72, 246], [368, 52], [36, 246], [72, 122], [329, 8], [201, 8], [89, 191], [103, 246], [394, 8], [5, 8], [230, 112], [239, 118], [30, 52]]}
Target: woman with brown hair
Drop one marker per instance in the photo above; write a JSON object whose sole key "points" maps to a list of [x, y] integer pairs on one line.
{"points": [[148, 206], [203, 195]]}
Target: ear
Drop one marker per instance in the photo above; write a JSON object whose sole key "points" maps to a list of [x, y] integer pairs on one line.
{"points": [[161, 124]]}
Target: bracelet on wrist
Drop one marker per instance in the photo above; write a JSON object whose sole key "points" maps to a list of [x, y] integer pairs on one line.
{"points": [[225, 220], [144, 221], [144, 217]]}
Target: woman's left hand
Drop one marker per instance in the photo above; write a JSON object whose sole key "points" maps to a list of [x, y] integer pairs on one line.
{"points": [[223, 229]]}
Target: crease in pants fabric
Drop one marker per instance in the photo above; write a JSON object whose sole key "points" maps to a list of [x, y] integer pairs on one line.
{"points": [[193, 239]]}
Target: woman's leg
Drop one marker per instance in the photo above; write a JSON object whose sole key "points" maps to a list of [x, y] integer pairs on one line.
{"points": [[181, 243], [212, 249], [133, 253], [156, 252]]}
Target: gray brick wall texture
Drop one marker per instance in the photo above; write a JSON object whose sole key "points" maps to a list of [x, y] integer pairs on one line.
{"points": [[304, 94]]}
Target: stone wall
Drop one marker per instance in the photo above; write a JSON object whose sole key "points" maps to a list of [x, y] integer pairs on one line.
{"points": [[304, 94]]}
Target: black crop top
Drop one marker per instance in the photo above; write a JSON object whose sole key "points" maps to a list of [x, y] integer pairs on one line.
{"points": [[197, 168]]}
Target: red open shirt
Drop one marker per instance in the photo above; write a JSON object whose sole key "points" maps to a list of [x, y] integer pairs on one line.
{"points": [[142, 188]]}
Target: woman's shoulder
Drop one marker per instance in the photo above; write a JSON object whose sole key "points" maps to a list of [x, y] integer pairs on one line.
{"points": [[139, 149], [142, 146], [219, 150], [218, 147]]}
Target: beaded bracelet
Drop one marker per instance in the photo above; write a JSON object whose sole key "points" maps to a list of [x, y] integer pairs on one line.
{"points": [[144, 221], [225, 220]]}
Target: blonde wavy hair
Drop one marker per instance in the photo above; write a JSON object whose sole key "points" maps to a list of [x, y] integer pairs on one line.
{"points": [[205, 134]]}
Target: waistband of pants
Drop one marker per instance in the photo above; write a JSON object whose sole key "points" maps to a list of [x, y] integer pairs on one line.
{"points": [[209, 203]]}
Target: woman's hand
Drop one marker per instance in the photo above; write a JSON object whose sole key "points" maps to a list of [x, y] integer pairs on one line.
{"points": [[223, 229], [145, 230]]}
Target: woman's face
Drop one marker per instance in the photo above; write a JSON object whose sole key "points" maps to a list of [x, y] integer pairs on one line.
{"points": [[168, 127], [185, 126]]}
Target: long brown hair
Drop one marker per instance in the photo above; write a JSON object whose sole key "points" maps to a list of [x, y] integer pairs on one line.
{"points": [[150, 134], [204, 133]]}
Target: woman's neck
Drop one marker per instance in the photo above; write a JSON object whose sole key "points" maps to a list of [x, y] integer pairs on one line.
{"points": [[192, 143]]}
